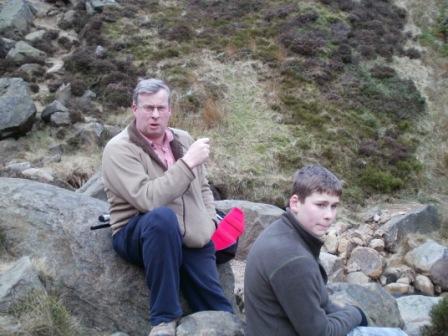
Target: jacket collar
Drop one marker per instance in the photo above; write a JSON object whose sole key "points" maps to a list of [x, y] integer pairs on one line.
{"points": [[313, 243], [136, 138]]}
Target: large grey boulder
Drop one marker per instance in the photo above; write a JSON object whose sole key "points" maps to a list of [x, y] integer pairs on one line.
{"points": [[16, 282], [16, 18], [17, 110], [53, 225], [257, 217], [423, 257], [380, 307], [432, 258], [24, 53], [422, 219], [210, 323], [415, 311]]}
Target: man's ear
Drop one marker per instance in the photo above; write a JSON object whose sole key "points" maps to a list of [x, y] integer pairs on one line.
{"points": [[293, 203], [134, 108]]}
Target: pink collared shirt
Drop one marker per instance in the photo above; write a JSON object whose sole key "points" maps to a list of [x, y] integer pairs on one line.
{"points": [[163, 151]]}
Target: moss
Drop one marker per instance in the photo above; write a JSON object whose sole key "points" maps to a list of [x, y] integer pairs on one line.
{"points": [[439, 319]]}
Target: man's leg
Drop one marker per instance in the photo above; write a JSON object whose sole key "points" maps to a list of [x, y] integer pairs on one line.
{"points": [[153, 240], [200, 280]]}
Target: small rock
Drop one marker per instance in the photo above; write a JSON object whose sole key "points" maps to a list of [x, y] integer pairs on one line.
{"points": [[377, 244], [357, 278], [439, 272], [404, 280], [55, 106], [36, 35], [38, 174], [210, 323], [358, 241], [93, 6], [341, 227], [331, 242], [60, 119], [424, 285], [367, 260], [100, 51], [18, 166], [396, 288], [24, 53], [64, 93]]}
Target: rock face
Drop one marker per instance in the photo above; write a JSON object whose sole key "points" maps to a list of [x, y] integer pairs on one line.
{"points": [[52, 225], [380, 307], [415, 311], [17, 110], [423, 219]]}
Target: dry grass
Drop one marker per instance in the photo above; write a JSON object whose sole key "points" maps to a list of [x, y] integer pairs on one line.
{"points": [[242, 128], [76, 168], [43, 314]]}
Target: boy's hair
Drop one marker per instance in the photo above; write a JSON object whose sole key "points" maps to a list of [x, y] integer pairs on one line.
{"points": [[315, 178]]}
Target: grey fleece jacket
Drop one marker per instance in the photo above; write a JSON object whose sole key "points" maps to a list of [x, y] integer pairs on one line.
{"points": [[285, 292]]}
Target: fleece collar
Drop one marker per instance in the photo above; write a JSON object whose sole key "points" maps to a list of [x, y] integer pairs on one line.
{"points": [[136, 138], [313, 243]]}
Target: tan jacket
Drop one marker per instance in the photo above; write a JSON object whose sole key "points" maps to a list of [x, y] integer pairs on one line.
{"points": [[136, 181]]}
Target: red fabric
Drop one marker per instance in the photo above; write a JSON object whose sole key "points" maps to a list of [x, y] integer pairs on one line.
{"points": [[229, 229]]}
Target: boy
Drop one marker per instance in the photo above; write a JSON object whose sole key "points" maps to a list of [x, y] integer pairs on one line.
{"points": [[285, 291]]}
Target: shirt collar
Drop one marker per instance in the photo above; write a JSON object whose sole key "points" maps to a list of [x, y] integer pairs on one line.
{"points": [[167, 138]]}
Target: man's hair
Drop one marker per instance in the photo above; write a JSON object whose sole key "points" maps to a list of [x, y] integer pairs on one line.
{"points": [[315, 178], [151, 86]]}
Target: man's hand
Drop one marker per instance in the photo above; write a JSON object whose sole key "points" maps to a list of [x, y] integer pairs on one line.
{"points": [[197, 153]]}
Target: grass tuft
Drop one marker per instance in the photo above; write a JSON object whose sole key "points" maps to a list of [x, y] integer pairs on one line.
{"points": [[43, 314]]}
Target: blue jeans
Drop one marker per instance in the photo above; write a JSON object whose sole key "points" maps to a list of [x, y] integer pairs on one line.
{"points": [[153, 241], [375, 331]]}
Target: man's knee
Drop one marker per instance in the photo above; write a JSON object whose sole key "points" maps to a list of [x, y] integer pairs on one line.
{"points": [[161, 220]]}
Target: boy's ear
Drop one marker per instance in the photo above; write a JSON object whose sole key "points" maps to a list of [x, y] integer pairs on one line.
{"points": [[293, 203]]}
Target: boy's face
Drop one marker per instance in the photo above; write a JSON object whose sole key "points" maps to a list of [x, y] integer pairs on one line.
{"points": [[316, 213]]}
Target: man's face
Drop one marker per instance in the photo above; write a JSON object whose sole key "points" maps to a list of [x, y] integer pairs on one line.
{"points": [[316, 213], [152, 114]]}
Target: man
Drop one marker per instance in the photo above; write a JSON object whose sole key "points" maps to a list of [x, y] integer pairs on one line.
{"points": [[162, 208]]}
